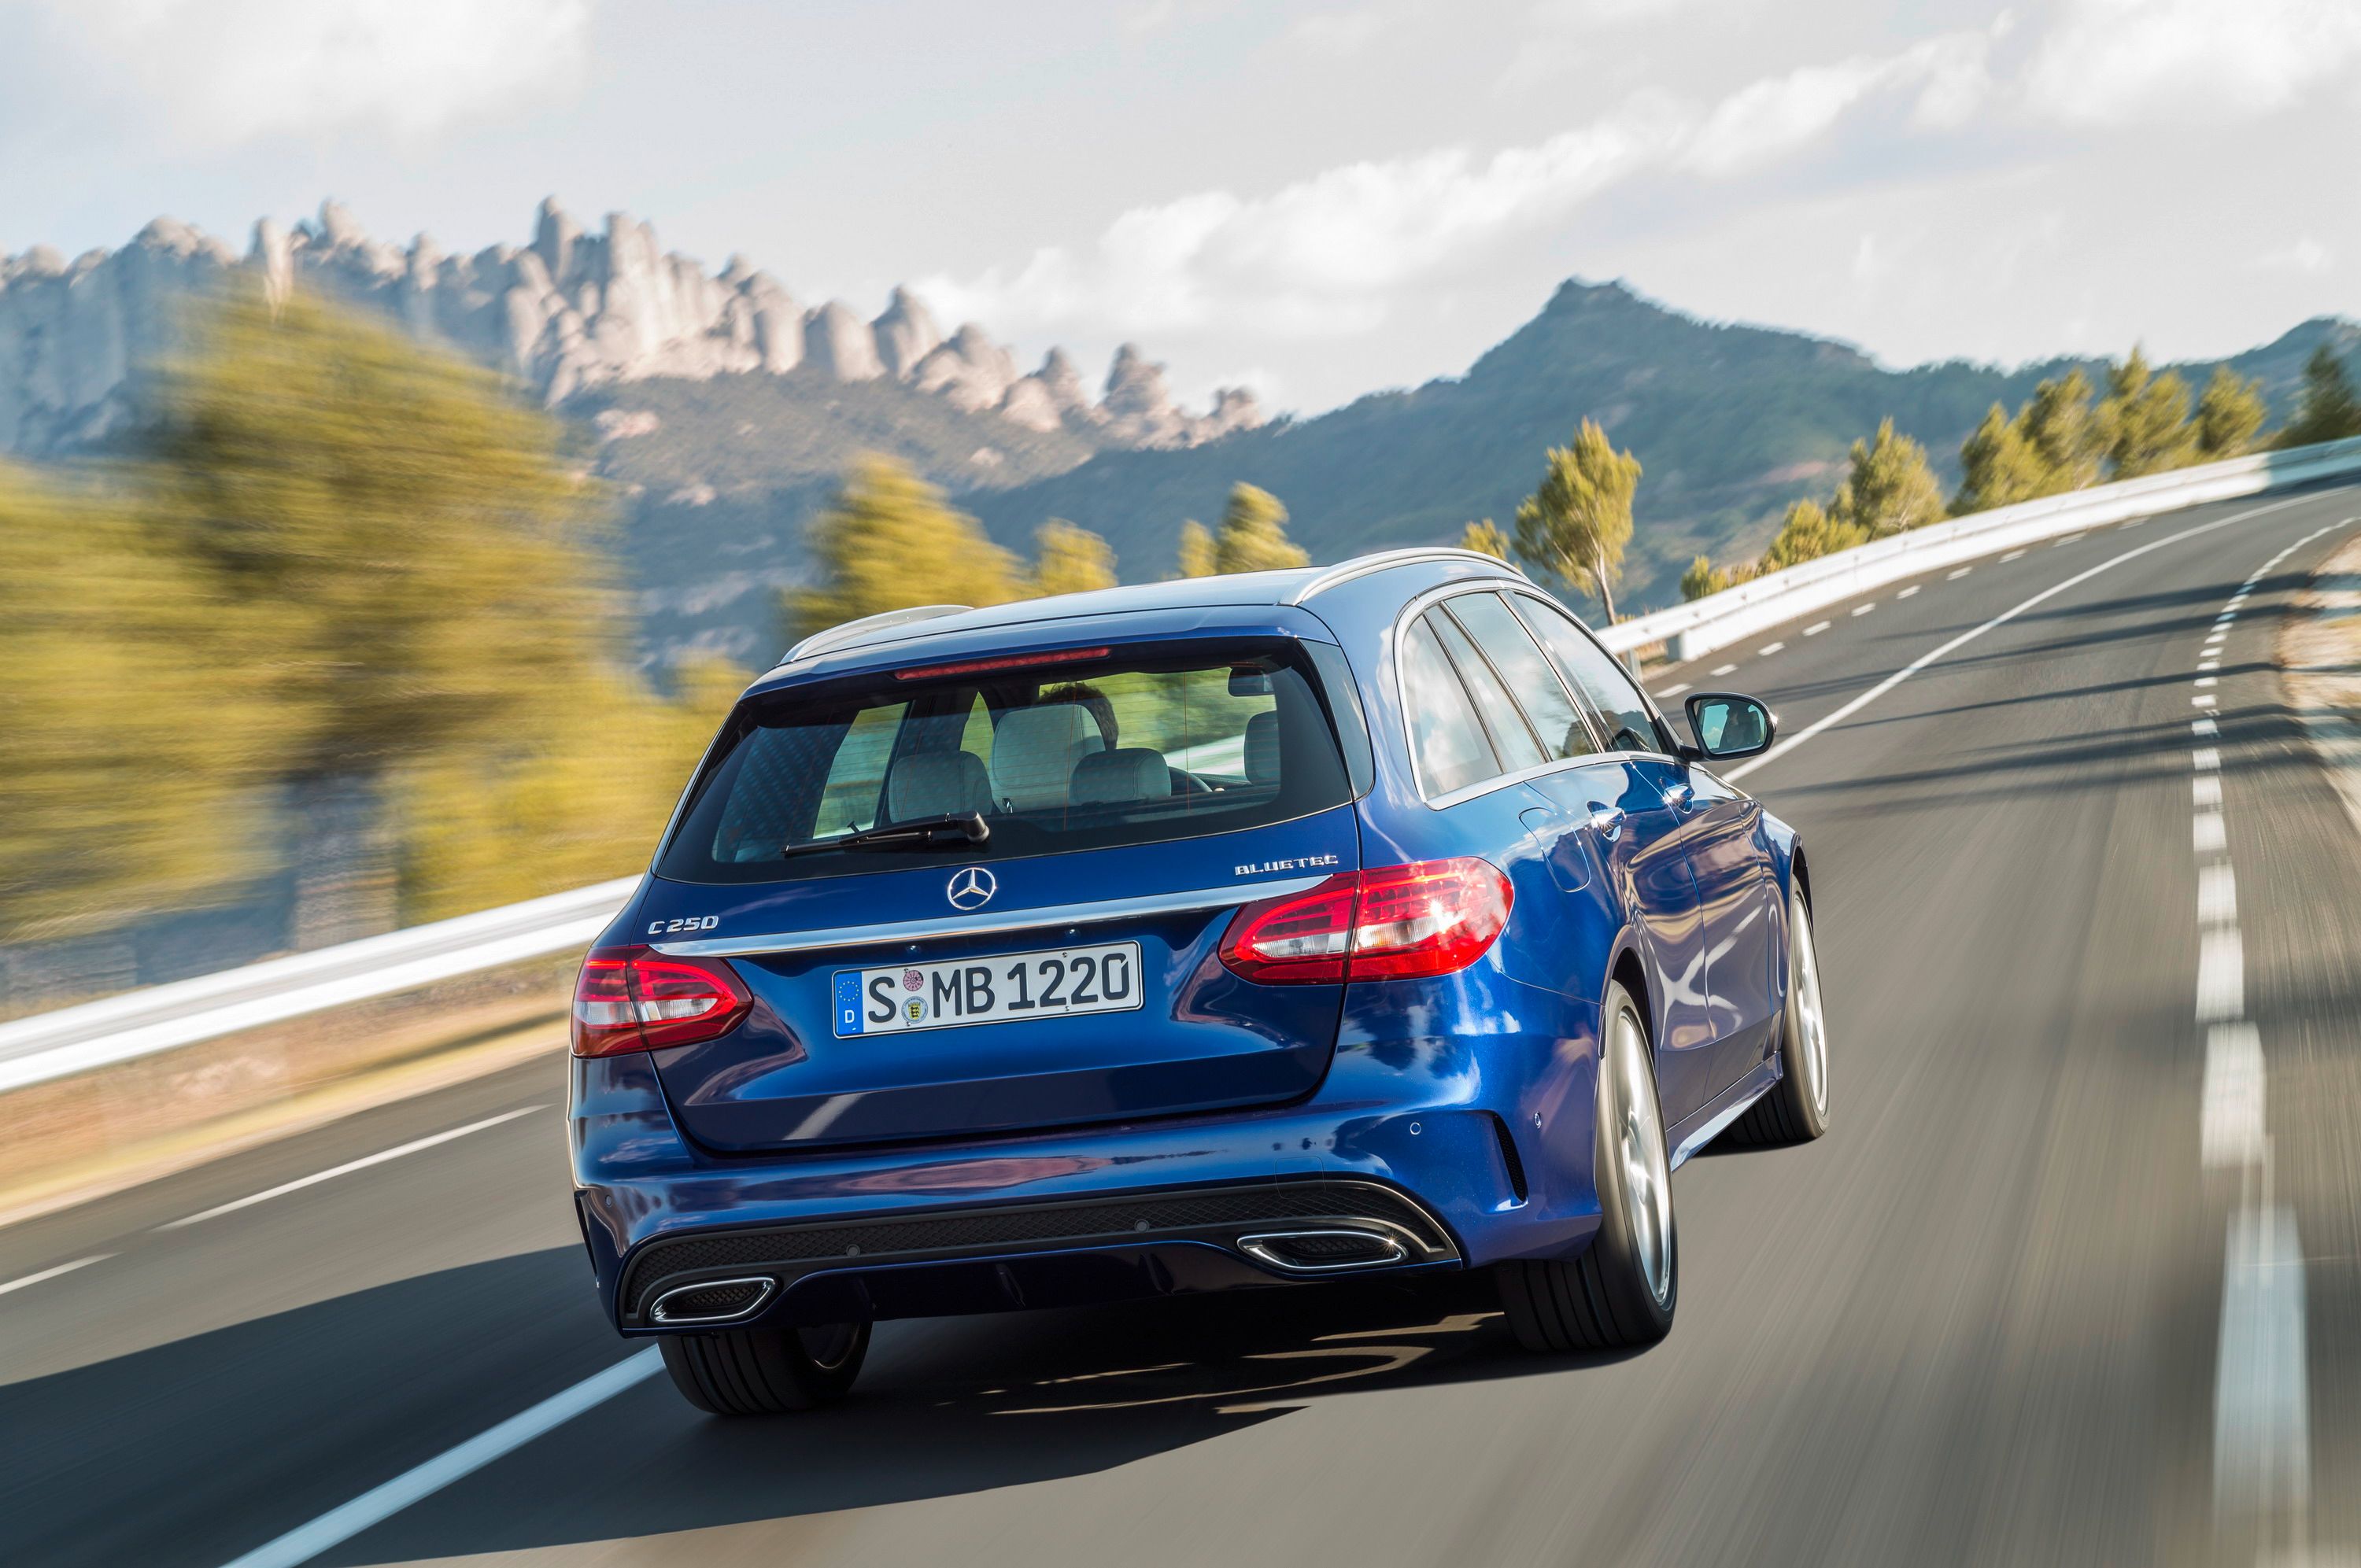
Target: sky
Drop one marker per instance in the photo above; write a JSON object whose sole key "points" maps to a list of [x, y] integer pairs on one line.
{"points": [[1314, 199]]}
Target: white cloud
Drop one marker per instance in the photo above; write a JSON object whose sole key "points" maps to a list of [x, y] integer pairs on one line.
{"points": [[2122, 62], [223, 72], [1769, 120], [2306, 255]]}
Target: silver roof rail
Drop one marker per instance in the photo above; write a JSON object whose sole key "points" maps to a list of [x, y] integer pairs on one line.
{"points": [[851, 630], [1362, 565]]}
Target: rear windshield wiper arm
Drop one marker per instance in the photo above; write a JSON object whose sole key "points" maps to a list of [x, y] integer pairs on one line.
{"points": [[921, 832]]}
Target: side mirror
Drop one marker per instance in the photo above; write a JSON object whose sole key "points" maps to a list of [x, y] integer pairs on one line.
{"points": [[1727, 726]]}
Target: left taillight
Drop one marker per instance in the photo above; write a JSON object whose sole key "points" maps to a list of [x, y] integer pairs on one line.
{"points": [[1427, 918], [636, 999]]}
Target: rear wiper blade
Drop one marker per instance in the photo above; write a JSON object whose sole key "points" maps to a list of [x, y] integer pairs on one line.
{"points": [[922, 832]]}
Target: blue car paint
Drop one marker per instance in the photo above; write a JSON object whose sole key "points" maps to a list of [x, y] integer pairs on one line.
{"points": [[1473, 1093]]}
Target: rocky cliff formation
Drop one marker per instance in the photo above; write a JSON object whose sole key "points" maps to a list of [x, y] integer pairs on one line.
{"points": [[569, 312]]}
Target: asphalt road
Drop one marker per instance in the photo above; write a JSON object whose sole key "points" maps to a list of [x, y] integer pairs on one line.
{"points": [[2005, 1313]]}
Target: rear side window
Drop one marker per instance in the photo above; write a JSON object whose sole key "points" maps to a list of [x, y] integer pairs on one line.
{"points": [[1127, 747], [1538, 689], [1513, 742], [1446, 739], [1628, 724]]}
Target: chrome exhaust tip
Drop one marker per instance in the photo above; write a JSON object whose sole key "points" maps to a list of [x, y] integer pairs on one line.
{"points": [[711, 1300], [1328, 1251]]}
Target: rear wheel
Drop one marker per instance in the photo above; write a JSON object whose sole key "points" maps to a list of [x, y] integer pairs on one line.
{"points": [[1796, 1111], [1623, 1290], [765, 1372]]}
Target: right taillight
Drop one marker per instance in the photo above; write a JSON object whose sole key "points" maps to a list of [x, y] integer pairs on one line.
{"points": [[1429, 917], [636, 999]]}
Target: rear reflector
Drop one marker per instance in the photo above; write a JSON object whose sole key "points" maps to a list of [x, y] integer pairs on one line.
{"points": [[635, 999], [1429, 917], [1009, 661]]}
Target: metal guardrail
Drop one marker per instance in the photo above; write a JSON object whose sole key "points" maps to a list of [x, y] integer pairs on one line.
{"points": [[141, 1023]]}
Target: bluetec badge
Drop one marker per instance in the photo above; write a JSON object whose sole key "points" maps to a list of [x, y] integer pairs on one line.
{"points": [[848, 1003]]}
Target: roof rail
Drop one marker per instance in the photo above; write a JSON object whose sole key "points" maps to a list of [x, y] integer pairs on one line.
{"points": [[851, 630], [1383, 560]]}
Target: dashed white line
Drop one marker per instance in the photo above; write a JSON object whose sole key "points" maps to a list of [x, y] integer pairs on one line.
{"points": [[2205, 832], [1721, 669], [2011, 555], [53, 1273], [2206, 680], [2206, 789], [1768, 649], [1864, 608], [349, 1167], [2205, 757], [2196, 727], [1955, 576], [2217, 887], [2221, 976], [2230, 1113], [2202, 699], [1673, 690], [339, 1525], [2068, 539], [1909, 591], [1816, 628]]}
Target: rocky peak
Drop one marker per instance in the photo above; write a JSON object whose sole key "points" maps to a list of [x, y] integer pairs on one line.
{"points": [[906, 333]]}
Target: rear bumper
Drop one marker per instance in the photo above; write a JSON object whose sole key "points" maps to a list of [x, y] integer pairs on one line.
{"points": [[1413, 1155]]}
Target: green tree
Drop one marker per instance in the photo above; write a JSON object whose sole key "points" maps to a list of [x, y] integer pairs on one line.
{"points": [[1068, 559], [2327, 410], [1807, 533], [2064, 430], [1253, 536], [1702, 578], [888, 542], [1486, 539], [1999, 465], [2145, 417], [1577, 520], [134, 738], [1196, 558], [1890, 488], [2229, 413]]}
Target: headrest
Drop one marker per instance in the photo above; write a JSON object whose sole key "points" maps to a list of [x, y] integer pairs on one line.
{"points": [[1262, 748], [1128, 772], [1034, 751], [935, 783]]}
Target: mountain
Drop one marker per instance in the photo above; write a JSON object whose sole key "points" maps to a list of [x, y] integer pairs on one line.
{"points": [[1731, 422]]}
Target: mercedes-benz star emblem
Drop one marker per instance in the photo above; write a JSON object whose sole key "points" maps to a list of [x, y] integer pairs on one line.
{"points": [[972, 888]]}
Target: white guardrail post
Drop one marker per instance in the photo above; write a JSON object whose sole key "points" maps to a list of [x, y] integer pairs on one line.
{"points": [[141, 1023]]}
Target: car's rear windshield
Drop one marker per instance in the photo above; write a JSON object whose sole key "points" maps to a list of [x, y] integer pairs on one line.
{"points": [[1102, 746]]}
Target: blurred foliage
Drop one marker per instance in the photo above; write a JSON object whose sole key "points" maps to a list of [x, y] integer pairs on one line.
{"points": [[2000, 465], [1252, 538], [1889, 489], [2145, 420], [1486, 539], [1702, 578], [1195, 556], [1069, 560], [2064, 430], [1807, 533], [2230, 414], [1579, 519], [133, 731], [2327, 410], [887, 542]]}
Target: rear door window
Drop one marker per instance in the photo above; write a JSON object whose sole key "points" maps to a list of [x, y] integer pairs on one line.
{"points": [[1123, 747], [1535, 683], [1623, 712], [1446, 741], [1512, 740]]}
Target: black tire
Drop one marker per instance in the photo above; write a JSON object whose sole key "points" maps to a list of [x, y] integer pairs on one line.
{"points": [[765, 1372], [1796, 1111], [1623, 1290]]}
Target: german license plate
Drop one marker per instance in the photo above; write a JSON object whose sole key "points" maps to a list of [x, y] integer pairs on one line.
{"points": [[1104, 978]]}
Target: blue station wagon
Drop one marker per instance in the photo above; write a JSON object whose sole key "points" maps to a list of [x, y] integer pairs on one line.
{"points": [[1239, 932]]}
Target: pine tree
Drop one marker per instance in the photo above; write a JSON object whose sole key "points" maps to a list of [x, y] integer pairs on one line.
{"points": [[1577, 520], [1069, 560], [1253, 537], [2228, 415], [2064, 430], [2000, 465], [2328, 411], [1486, 539], [1702, 578], [889, 541], [2145, 419], [1807, 533], [1890, 488], [1196, 558]]}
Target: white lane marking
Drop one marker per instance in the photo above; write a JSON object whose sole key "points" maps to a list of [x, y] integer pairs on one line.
{"points": [[1816, 628], [1864, 608], [53, 1273], [340, 1524], [2202, 699], [1847, 709], [2206, 789], [2205, 757], [2206, 832], [2221, 976], [2204, 681], [1955, 576], [2217, 637], [349, 1167], [2013, 555], [1673, 690], [1768, 649], [2209, 663], [1721, 669], [2068, 539], [2262, 1408], [2230, 1113], [2196, 727], [1909, 591], [2217, 889]]}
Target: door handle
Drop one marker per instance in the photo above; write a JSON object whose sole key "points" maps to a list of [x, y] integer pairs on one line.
{"points": [[1678, 794], [1606, 821]]}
